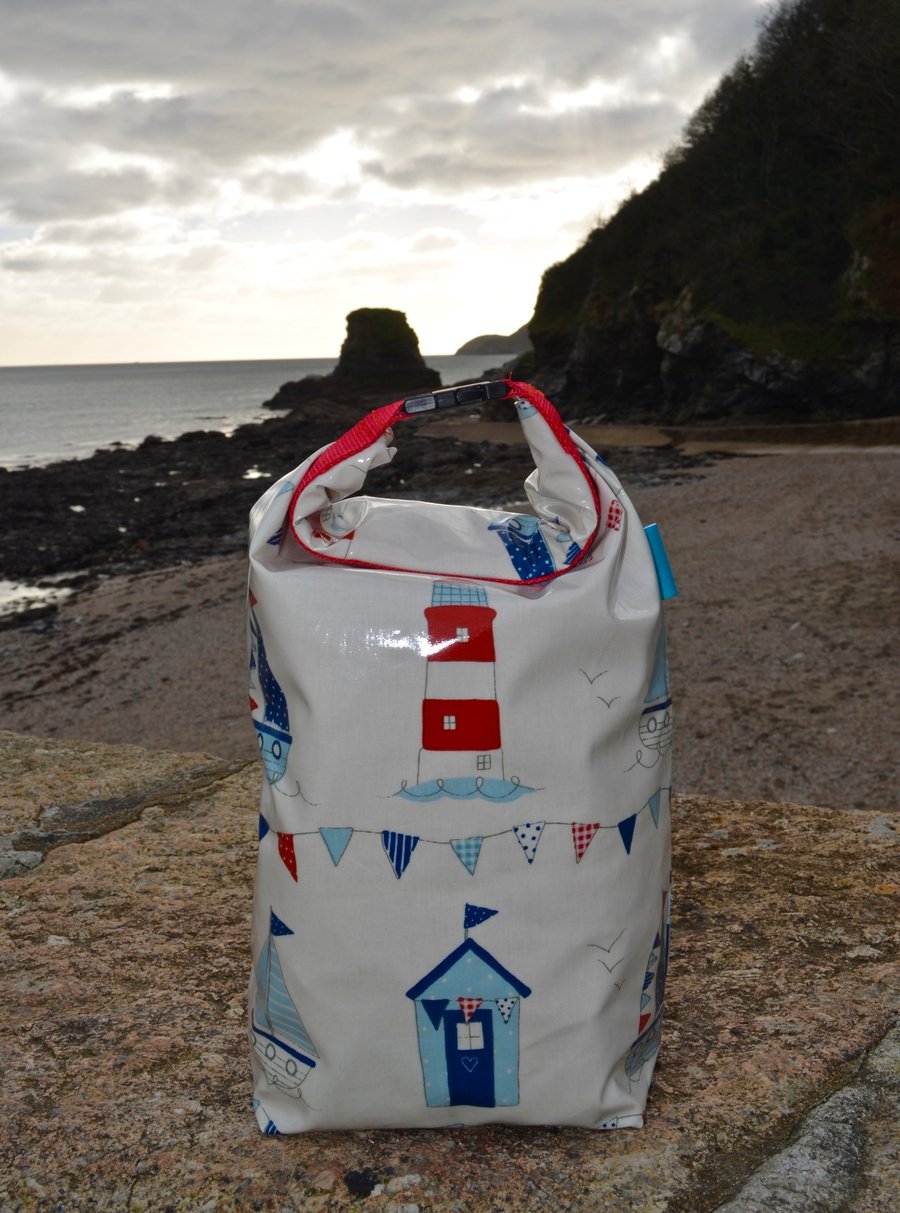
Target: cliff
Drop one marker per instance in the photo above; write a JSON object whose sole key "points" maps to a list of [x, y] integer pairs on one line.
{"points": [[759, 275], [125, 954], [492, 343]]}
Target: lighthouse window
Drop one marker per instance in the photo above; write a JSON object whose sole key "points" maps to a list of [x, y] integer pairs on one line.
{"points": [[449, 722], [462, 634], [483, 762], [469, 1036]]}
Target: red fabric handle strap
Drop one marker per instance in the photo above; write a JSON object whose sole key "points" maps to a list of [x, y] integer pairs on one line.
{"points": [[374, 424]]}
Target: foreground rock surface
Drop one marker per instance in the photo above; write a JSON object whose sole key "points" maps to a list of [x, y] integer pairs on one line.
{"points": [[126, 1078]]}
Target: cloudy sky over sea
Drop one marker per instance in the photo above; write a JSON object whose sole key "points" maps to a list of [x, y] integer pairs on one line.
{"points": [[190, 180]]}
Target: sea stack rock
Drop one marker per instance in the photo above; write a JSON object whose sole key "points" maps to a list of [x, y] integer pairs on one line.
{"points": [[380, 347], [380, 357]]}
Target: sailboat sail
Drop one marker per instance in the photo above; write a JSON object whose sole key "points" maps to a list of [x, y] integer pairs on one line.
{"points": [[275, 1010], [280, 1039]]}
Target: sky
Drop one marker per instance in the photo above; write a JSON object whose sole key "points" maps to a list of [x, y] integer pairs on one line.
{"points": [[183, 180]]}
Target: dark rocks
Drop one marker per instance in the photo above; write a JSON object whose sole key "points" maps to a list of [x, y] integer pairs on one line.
{"points": [[184, 501]]}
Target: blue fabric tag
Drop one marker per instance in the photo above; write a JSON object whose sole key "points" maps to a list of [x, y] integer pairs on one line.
{"points": [[667, 586]]}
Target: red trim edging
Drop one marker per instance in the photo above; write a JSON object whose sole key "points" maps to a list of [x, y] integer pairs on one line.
{"points": [[373, 425]]}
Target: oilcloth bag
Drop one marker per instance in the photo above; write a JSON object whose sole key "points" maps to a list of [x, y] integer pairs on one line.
{"points": [[463, 714]]}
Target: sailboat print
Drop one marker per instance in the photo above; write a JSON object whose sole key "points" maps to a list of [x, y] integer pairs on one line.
{"points": [[279, 1039]]}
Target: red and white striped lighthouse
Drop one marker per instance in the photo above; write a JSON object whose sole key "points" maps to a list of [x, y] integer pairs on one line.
{"points": [[460, 712]]}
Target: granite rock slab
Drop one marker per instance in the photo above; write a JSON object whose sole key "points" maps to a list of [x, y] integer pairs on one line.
{"points": [[124, 959]]}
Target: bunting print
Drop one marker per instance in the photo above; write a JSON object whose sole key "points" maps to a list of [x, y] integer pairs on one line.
{"points": [[582, 836], [287, 853], [528, 835], [506, 1006], [654, 806], [467, 851], [626, 829], [336, 839], [399, 849], [468, 1006]]}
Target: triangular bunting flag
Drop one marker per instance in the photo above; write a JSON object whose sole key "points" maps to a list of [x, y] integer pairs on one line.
{"points": [[287, 853], [336, 838], [263, 827], [642, 1023], [528, 836], [467, 851], [399, 849], [505, 1007], [469, 1006], [645, 1001], [435, 1008], [476, 914], [654, 807], [582, 835], [276, 926], [626, 829]]}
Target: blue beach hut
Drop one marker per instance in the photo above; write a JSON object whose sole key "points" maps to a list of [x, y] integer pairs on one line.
{"points": [[467, 1021]]}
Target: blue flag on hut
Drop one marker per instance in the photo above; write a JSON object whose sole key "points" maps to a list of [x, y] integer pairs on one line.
{"points": [[476, 914]]}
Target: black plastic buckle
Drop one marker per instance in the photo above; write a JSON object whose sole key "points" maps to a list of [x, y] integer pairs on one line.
{"points": [[450, 397]]}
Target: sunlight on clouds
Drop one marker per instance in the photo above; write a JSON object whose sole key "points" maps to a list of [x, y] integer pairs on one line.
{"points": [[336, 160], [596, 94], [670, 52], [102, 94], [96, 159]]}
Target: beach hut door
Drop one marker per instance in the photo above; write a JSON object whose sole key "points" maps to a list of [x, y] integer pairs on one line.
{"points": [[470, 1058]]}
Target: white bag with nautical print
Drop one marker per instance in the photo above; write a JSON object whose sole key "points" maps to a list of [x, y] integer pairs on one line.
{"points": [[462, 893]]}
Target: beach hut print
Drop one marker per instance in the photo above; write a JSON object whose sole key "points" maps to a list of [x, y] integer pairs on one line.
{"points": [[266, 696], [279, 1039], [655, 727], [467, 1022], [461, 754], [653, 995]]}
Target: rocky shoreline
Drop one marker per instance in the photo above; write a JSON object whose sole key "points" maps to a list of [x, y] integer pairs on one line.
{"points": [[186, 500]]}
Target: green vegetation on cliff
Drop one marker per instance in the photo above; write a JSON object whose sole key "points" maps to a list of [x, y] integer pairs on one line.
{"points": [[760, 272]]}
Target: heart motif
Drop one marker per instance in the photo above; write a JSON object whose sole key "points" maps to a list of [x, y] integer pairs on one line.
{"points": [[469, 1063]]}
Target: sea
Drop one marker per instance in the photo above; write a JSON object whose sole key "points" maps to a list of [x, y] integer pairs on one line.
{"points": [[48, 413]]}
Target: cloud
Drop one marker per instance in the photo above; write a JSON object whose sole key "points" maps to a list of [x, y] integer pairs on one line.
{"points": [[274, 124]]}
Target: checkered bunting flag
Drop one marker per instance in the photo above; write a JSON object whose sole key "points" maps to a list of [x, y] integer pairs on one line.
{"points": [[469, 1006], [467, 851], [582, 835]]}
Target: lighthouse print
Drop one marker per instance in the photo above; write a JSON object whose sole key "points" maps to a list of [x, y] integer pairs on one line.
{"points": [[461, 755]]}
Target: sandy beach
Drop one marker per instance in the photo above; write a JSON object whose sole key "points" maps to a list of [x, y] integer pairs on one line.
{"points": [[783, 646]]}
